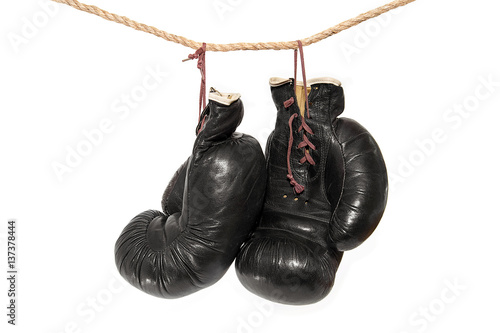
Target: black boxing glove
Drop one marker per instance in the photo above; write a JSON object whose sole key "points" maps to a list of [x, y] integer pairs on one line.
{"points": [[326, 193], [209, 208]]}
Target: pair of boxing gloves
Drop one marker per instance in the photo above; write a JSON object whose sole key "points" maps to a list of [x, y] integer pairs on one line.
{"points": [[286, 217]]}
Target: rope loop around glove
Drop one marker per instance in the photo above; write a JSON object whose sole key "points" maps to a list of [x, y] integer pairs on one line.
{"points": [[200, 55]]}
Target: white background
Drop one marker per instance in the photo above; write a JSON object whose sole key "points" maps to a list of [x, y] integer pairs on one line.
{"points": [[432, 264]]}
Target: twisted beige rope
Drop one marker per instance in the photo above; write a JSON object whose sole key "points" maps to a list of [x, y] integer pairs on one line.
{"points": [[235, 46]]}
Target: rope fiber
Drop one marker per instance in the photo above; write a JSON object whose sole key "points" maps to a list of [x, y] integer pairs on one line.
{"points": [[290, 45]]}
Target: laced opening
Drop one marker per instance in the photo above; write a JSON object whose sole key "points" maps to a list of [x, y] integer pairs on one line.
{"points": [[296, 186], [305, 143]]}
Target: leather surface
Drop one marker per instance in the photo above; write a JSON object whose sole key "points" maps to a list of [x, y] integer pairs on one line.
{"points": [[293, 255], [209, 208]]}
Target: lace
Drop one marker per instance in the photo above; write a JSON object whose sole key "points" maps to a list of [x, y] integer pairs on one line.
{"points": [[288, 102], [305, 143], [200, 55], [296, 186]]}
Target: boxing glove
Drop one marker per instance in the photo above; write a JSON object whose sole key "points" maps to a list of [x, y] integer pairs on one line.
{"points": [[326, 193], [209, 208]]}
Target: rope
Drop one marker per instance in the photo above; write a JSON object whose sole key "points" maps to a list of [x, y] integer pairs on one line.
{"points": [[235, 46]]}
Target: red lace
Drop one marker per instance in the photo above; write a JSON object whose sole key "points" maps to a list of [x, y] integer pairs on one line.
{"points": [[305, 143], [296, 186], [200, 55]]}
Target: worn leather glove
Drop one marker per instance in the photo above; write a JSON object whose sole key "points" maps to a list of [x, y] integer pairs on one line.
{"points": [[209, 208], [326, 193]]}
